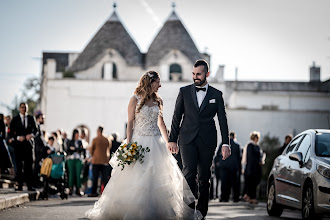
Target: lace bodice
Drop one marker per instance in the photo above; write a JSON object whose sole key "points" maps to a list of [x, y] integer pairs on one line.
{"points": [[145, 123]]}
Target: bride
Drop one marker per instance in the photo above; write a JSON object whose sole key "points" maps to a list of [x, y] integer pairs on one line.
{"points": [[156, 188]]}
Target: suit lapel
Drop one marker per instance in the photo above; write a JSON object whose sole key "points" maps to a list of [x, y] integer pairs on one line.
{"points": [[206, 99], [194, 97]]}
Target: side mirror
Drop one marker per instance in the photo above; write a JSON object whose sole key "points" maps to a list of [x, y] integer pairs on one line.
{"points": [[297, 156]]}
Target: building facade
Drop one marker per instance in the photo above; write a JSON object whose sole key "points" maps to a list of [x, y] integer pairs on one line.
{"points": [[93, 87]]}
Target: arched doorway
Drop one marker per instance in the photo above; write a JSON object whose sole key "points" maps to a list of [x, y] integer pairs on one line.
{"points": [[175, 72]]}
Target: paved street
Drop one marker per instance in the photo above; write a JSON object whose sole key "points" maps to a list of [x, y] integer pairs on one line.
{"points": [[75, 207]]}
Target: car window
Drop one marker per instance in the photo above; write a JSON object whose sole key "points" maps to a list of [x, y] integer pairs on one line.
{"points": [[322, 145], [293, 144], [304, 146]]}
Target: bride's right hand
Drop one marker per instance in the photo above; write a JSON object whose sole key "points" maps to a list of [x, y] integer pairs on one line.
{"points": [[173, 147]]}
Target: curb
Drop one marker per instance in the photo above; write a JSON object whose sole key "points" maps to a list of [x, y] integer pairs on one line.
{"points": [[15, 199]]}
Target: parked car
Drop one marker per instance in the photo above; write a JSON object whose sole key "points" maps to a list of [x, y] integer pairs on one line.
{"points": [[300, 176]]}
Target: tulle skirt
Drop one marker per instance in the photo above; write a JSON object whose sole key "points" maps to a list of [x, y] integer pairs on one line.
{"points": [[154, 189]]}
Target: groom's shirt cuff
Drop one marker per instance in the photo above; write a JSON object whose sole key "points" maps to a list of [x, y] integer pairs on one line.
{"points": [[226, 145]]}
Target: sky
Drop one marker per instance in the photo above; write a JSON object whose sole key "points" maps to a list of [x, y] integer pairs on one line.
{"points": [[266, 40]]}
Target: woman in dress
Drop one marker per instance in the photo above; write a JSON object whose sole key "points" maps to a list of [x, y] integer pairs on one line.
{"points": [[75, 155], [253, 159], [156, 188]]}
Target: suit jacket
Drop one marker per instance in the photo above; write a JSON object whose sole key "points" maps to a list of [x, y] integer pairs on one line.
{"points": [[233, 162], [114, 146], [17, 129], [189, 120], [40, 144], [2, 129]]}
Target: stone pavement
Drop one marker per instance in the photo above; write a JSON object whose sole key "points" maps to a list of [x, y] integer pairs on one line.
{"points": [[9, 197]]}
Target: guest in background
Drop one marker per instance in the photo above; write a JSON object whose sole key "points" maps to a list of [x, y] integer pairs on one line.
{"points": [[66, 141], [230, 171], [87, 159], [57, 142], [50, 149], [287, 140], [115, 143], [217, 170], [5, 159], [39, 150], [75, 155], [253, 157], [100, 158], [22, 130], [10, 146]]}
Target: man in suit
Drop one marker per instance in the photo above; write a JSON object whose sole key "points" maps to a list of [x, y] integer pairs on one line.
{"points": [[194, 128], [230, 171], [115, 144], [22, 130], [40, 150]]}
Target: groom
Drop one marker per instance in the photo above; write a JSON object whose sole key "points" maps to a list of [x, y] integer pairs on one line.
{"points": [[193, 125]]}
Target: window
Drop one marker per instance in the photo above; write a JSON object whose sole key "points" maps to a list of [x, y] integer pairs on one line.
{"points": [[322, 148], [304, 146], [109, 71], [293, 144], [175, 72], [114, 71]]}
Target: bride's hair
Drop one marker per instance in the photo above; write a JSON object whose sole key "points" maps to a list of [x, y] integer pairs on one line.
{"points": [[144, 89]]}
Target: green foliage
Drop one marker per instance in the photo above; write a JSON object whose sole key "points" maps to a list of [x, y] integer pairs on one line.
{"points": [[270, 145], [30, 95], [68, 74]]}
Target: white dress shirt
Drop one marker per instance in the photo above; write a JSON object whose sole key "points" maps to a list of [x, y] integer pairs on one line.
{"points": [[201, 94], [24, 117], [200, 97]]}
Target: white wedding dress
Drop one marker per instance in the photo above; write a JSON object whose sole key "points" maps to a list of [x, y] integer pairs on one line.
{"points": [[155, 189]]}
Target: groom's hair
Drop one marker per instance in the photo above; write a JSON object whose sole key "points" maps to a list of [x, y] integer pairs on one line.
{"points": [[202, 62]]}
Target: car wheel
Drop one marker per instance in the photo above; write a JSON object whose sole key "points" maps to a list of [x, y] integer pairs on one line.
{"points": [[308, 211], [273, 208]]}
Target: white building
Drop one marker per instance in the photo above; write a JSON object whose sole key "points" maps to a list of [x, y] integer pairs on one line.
{"points": [[93, 87]]}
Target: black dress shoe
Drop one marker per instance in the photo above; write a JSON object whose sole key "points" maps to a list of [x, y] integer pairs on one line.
{"points": [[93, 195]]}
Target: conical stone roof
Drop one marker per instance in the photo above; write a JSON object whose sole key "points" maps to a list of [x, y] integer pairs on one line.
{"points": [[173, 35], [111, 35]]}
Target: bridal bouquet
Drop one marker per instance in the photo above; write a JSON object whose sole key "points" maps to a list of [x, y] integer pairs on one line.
{"points": [[129, 153]]}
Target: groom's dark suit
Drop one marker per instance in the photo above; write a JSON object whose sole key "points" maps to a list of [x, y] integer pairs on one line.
{"points": [[195, 129]]}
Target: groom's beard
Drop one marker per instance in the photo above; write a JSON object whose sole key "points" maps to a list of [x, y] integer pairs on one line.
{"points": [[198, 82]]}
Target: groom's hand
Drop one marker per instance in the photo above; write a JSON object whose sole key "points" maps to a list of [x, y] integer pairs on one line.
{"points": [[225, 151], [172, 147]]}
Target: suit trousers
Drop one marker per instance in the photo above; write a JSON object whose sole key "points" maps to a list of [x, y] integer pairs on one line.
{"points": [[229, 181], [197, 160], [24, 163], [97, 168]]}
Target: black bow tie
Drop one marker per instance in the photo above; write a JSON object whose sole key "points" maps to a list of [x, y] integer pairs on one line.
{"points": [[199, 89]]}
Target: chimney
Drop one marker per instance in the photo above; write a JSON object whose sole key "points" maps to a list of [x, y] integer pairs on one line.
{"points": [[314, 73], [219, 76], [51, 68]]}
